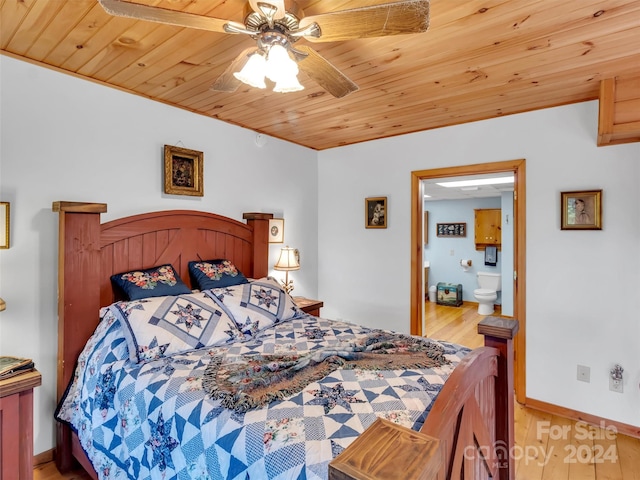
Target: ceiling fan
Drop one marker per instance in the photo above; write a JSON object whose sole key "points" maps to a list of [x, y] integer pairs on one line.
{"points": [[276, 25]]}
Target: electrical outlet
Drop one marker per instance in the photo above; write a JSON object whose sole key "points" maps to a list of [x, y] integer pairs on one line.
{"points": [[584, 373], [452, 253], [615, 385]]}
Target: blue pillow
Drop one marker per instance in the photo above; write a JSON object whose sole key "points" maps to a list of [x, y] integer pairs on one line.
{"points": [[153, 282], [207, 274]]}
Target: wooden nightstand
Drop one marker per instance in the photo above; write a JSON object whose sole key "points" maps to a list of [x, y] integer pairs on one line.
{"points": [[16, 425], [307, 305]]}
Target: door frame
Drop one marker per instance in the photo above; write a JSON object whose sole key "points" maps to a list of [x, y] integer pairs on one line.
{"points": [[517, 167]]}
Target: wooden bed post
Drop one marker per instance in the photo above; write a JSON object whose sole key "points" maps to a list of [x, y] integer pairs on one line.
{"points": [[260, 224], [78, 257], [499, 333]]}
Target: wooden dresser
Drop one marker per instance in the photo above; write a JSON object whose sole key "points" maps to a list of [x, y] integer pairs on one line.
{"points": [[16, 425]]}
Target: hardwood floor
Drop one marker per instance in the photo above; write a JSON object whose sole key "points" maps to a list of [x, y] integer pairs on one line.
{"points": [[548, 447], [454, 324], [48, 471]]}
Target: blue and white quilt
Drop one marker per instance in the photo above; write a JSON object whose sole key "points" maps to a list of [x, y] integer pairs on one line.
{"points": [[154, 419]]}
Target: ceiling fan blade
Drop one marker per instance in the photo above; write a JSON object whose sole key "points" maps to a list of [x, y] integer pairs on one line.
{"points": [[120, 8], [278, 4], [227, 82], [324, 73], [408, 16]]}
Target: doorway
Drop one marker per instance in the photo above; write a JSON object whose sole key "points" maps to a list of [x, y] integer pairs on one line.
{"points": [[517, 167]]}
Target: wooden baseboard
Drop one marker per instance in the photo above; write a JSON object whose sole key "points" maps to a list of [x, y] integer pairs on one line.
{"points": [[44, 457], [622, 428]]}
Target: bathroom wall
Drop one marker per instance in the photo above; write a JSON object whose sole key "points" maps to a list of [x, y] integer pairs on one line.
{"points": [[444, 253]]}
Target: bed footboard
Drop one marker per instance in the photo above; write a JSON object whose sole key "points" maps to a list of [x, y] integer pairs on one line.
{"points": [[473, 416], [469, 432]]}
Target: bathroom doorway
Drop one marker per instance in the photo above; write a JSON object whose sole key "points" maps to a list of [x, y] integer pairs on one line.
{"points": [[517, 167]]}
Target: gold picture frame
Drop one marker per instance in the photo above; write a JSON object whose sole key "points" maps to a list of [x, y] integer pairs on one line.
{"points": [[276, 230], [375, 212], [183, 171], [581, 210], [5, 209]]}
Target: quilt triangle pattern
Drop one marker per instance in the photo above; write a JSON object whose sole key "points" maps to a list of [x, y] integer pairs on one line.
{"points": [[153, 418]]}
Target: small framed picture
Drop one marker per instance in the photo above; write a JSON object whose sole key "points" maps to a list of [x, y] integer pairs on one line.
{"points": [[458, 229], [276, 230], [581, 210], [4, 224], [183, 171], [375, 212]]}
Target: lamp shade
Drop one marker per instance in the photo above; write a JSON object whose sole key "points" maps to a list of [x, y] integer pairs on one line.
{"points": [[253, 72], [288, 260], [282, 70], [285, 85]]}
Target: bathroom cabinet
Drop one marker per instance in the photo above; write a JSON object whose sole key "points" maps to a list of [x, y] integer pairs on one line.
{"points": [[488, 227]]}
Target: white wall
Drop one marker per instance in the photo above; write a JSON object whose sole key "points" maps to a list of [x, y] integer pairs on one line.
{"points": [[63, 138], [581, 285]]}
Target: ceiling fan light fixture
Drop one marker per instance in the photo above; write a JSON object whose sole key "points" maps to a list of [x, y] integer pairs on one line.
{"points": [[288, 84], [282, 70], [253, 72], [279, 64]]}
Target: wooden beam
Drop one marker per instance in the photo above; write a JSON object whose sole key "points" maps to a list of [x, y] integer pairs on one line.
{"points": [[619, 110]]}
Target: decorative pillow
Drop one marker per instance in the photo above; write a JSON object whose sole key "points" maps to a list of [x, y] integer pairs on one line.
{"points": [[161, 326], [219, 273], [256, 305], [153, 282]]}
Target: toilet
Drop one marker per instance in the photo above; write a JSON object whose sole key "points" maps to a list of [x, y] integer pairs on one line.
{"points": [[490, 284]]}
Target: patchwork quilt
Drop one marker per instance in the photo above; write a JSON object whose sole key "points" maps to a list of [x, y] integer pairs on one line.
{"points": [[156, 418]]}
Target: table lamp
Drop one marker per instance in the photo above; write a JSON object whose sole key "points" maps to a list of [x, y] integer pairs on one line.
{"points": [[287, 262]]}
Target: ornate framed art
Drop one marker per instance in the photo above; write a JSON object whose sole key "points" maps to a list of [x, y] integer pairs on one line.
{"points": [[581, 210], [375, 212], [183, 169]]}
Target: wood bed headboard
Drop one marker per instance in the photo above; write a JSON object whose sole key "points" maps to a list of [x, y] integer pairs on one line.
{"points": [[90, 252]]}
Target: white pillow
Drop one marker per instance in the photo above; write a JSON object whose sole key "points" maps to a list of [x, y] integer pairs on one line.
{"points": [[161, 326], [256, 305]]}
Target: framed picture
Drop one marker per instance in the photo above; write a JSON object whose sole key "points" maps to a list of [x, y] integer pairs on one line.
{"points": [[4, 224], [581, 210], [183, 171], [375, 212], [276, 230], [451, 229]]}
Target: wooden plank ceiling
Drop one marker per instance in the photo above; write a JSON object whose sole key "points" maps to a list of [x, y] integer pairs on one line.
{"points": [[479, 59]]}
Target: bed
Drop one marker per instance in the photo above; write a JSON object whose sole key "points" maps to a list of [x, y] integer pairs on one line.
{"points": [[183, 413]]}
